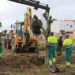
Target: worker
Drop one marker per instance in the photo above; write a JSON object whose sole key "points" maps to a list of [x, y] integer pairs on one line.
{"points": [[68, 43], [59, 46], [52, 41], [1, 47], [16, 38], [5, 43], [1, 50]]}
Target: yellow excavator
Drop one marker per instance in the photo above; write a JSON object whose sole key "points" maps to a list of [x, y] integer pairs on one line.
{"points": [[24, 39]]}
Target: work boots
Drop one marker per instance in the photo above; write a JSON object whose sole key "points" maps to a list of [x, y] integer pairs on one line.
{"points": [[53, 69]]}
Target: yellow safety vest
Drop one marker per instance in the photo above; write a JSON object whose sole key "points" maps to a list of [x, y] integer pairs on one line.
{"points": [[67, 42], [52, 39]]}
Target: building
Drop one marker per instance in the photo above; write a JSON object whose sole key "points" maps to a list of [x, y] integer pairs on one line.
{"points": [[60, 25], [63, 25]]}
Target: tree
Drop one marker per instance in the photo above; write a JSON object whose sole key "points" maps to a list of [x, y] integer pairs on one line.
{"points": [[62, 31], [49, 20], [36, 25]]}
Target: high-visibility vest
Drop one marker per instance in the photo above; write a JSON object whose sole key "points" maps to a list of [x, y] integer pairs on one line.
{"points": [[52, 39], [68, 42]]}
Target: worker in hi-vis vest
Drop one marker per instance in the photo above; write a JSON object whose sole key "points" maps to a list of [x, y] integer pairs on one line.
{"points": [[68, 43], [52, 41]]}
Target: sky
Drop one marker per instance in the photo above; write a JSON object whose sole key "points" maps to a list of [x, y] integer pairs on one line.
{"points": [[59, 9]]}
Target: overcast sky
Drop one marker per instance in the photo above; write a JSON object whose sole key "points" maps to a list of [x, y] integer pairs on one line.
{"points": [[60, 9]]}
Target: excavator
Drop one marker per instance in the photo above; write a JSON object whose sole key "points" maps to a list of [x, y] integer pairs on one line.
{"points": [[24, 39]]}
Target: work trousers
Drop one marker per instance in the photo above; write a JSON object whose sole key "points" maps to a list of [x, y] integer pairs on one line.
{"points": [[68, 54], [51, 54], [59, 48], [1, 49]]}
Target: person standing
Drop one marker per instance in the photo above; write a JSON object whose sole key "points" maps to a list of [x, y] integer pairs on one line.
{"points": [[1, 47], [68, 43], [52, 41], [1, 50], [59, 46]]}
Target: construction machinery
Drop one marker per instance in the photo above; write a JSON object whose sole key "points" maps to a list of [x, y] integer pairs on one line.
{"points": [[24, 40]]}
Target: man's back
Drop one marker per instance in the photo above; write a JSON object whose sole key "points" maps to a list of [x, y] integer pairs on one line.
{"points": [[52, 39]]}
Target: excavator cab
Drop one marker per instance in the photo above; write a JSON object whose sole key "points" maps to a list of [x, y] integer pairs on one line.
{"points": [[22, 40], [19, 29], [17, 42]]}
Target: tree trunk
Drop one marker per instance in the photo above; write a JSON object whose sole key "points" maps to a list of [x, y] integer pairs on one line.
{"points": [[45, 35], [46, 57]]}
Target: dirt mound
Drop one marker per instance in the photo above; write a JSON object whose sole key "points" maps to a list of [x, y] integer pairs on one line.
{"points": [[20, 61]]}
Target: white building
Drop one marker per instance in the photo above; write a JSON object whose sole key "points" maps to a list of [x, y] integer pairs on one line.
{"points": [[66, 25], [58, 25]]}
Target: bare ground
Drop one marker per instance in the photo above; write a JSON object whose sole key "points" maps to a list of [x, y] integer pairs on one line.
{"points": [[26, 64]]}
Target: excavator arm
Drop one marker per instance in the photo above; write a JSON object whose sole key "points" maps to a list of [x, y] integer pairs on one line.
{"points": [[35, 4]]}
